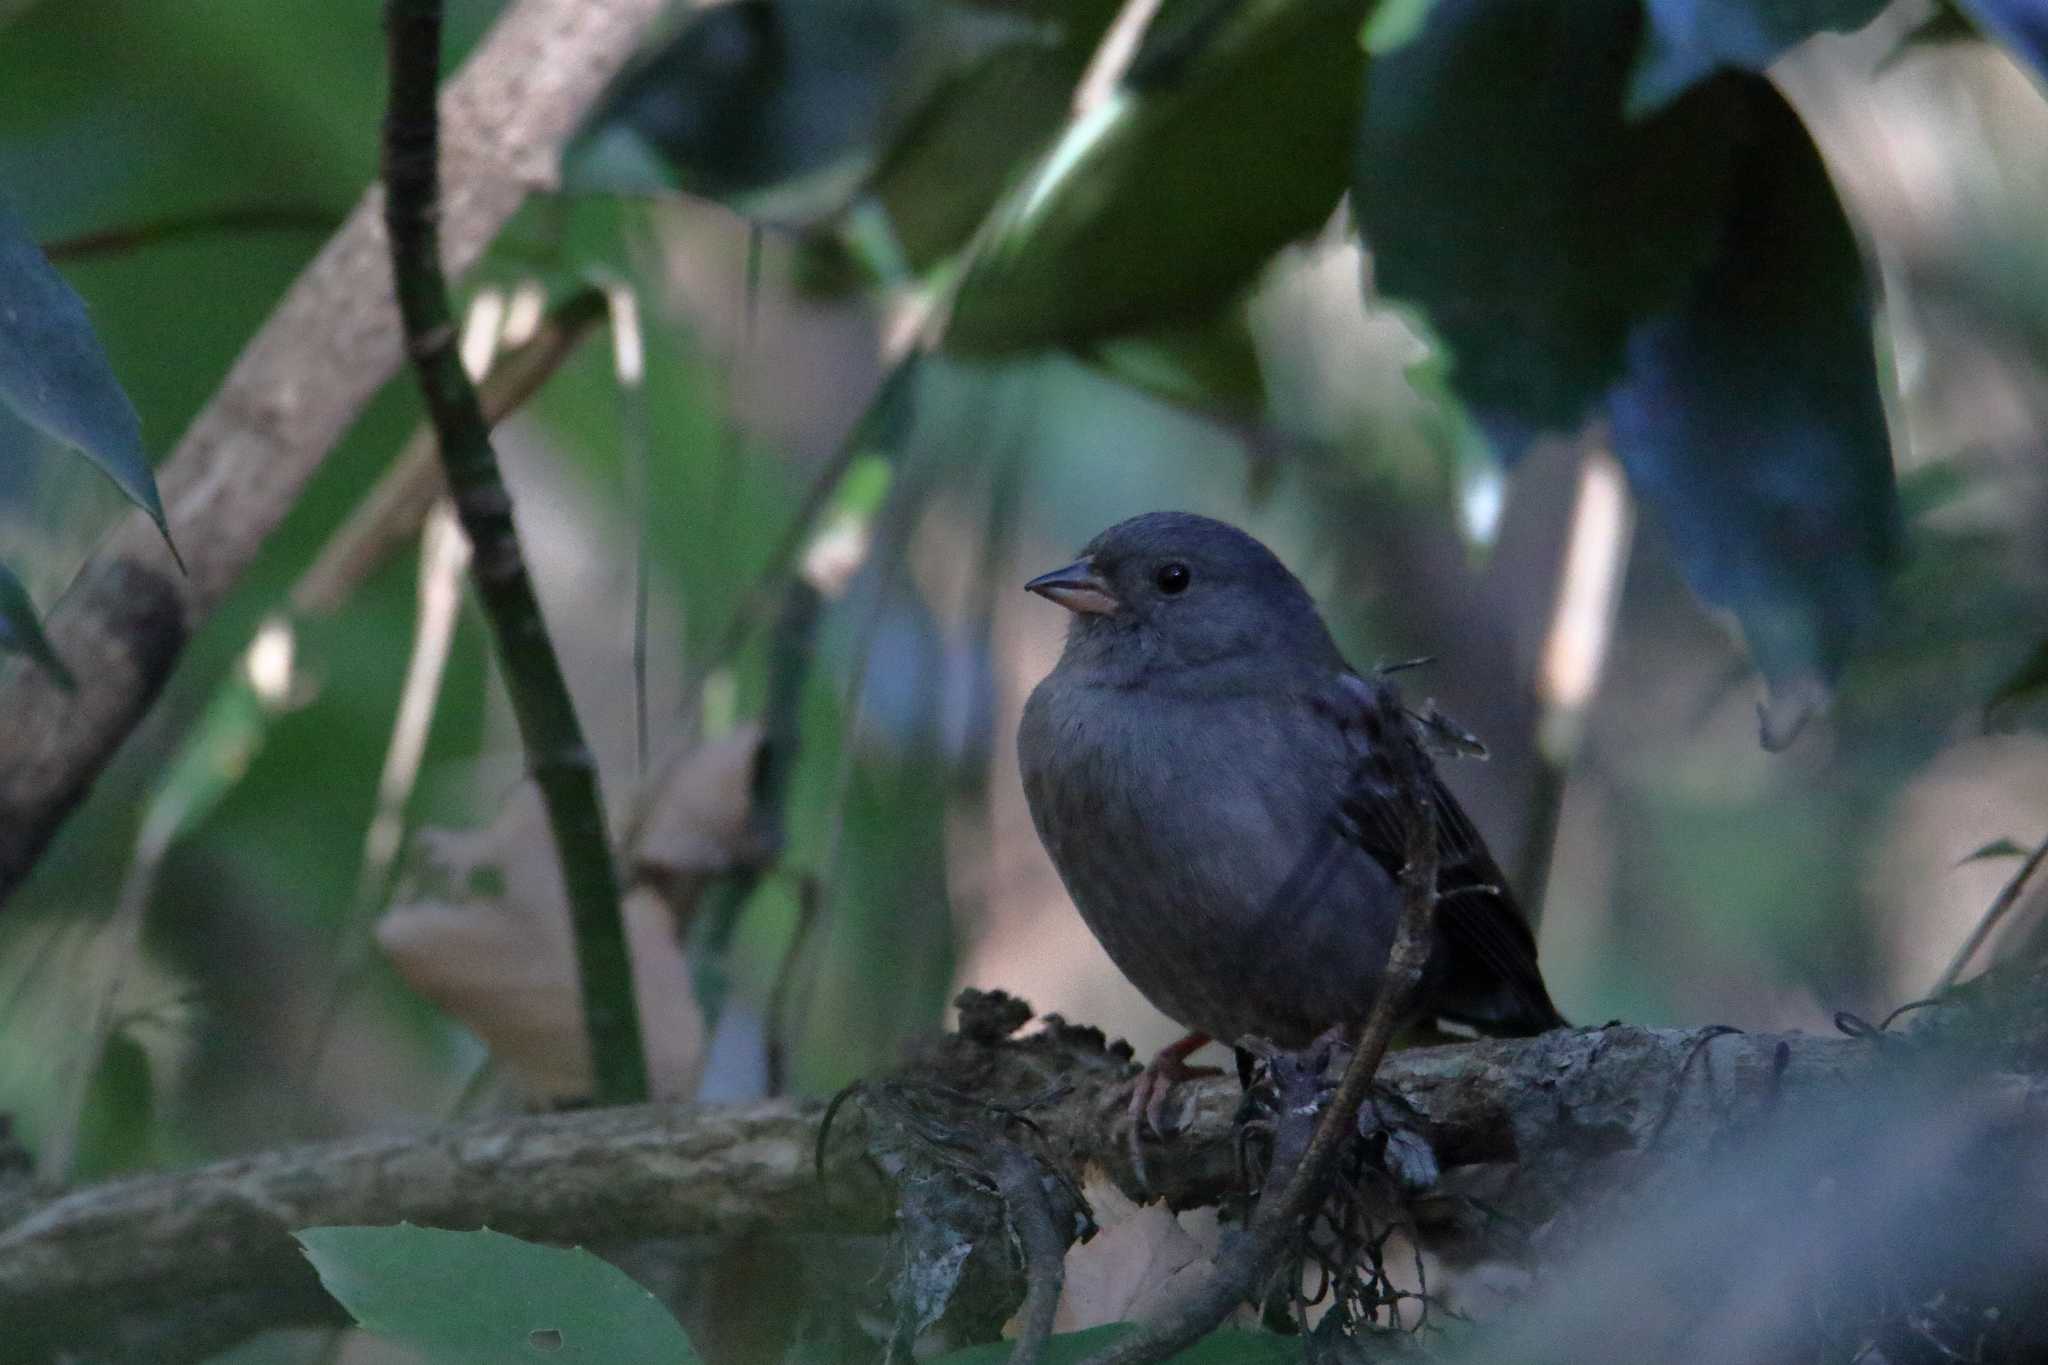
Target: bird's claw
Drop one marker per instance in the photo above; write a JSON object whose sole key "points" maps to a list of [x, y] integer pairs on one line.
{"points": [[1154, 1087], [1149, 1095]]}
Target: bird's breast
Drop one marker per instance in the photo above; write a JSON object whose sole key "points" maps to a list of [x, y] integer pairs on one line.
{"points": [[1174, 823]]}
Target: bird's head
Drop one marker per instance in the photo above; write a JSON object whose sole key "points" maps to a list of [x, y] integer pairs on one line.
{"points": [[1172, 589]]}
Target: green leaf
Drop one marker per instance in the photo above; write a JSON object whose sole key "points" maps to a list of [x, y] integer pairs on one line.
{"points": [[114, 1129], [22, 633], [482, 1298], [789, 111], [1393, 23], [1212, 369], [1227, 140], [1503, 193], [745, 99], [2027, 683], [1751, 421], [1229, 1346], [1689, 40], [951, 157], [54, 374], [1997, 848], [1694, 272]]}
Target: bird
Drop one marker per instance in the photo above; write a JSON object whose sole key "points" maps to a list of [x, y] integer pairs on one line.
{"points": [[1193, 765]]}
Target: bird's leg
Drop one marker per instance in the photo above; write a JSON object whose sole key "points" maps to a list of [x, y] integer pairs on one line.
{"points": [[1150, 1091]]}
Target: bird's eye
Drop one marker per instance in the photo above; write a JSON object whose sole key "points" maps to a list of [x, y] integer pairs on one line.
{"points": [[1171, 578]]}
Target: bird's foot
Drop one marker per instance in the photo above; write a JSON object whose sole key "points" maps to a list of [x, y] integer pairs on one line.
{"points": [[1152, 1089]]}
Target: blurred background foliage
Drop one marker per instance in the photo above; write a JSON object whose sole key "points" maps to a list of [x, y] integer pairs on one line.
{"points": [[929, 291]]}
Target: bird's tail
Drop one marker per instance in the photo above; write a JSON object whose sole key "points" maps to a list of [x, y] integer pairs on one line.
{"points": [[1509, 1009]]}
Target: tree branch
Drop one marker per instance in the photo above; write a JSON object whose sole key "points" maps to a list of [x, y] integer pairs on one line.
{"points": [[1535, 1125], [303, 378]]}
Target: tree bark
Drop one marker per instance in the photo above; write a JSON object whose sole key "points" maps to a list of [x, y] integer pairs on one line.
{"points": [[332, 342]]}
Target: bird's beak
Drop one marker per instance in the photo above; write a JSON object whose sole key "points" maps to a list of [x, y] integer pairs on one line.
{"points": [[1077, 587]]}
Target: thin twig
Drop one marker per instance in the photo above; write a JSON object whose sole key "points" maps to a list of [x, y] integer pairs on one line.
{"points": [[1019, 1181], [444, 554], [120, 942], [2008, 896], [761, 598], [563, 767], [389, 518], [629, 369], [794, 955], [115, 241]]}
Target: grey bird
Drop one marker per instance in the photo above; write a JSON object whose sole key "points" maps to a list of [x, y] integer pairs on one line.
{"points": [[1192, 767]]}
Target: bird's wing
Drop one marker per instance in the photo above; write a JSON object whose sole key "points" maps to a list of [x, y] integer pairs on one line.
{"points": [[1491, 979]]}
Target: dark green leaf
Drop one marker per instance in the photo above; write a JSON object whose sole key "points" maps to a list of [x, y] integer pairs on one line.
{"points": [[1751, 421], [1162, 203], [1213, 369], [2027, 683], [1997, 848], [482, 1298], [744, 97], [1501, 189], [54, 374], [114, 1129], [1688, 40], [1229, 1346], [22, 633], [1695, 267], [948, 162], [788, 111]]}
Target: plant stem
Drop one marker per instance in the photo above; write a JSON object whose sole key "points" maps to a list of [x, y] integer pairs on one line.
{"points": [[562, 764]]}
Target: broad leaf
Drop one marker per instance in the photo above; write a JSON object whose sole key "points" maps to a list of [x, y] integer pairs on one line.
{"points": [[482, 1298], [1693, 268], [746, 97], [1226, 140], [1688, 40], [1501, 189], [1213, 368], [2029, 682], [952, 156], [54, 374], [790, 111], [22, 633], [1997, 848], [1752, 424]]}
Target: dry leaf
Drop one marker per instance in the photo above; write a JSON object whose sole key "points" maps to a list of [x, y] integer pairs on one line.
{"points": [[482, 930], [1141, 1257], [693, 824]]}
